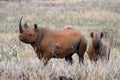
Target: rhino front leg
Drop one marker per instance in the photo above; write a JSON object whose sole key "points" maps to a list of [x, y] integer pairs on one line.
{"points": [[46, 57]]}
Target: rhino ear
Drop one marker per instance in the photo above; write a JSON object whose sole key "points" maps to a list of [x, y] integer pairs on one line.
{"points": [[91, 34], [101, 35], [25, 25], [35, 26]]}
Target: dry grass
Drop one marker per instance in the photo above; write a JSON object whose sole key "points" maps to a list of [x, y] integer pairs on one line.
{"points": [[18, 60]]}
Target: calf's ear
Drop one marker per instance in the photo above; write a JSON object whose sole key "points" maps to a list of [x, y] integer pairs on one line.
{"points": [[91, 34], [101, 35]]}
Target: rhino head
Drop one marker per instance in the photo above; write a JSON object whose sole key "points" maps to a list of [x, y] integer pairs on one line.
{"points": [[27, 34]]}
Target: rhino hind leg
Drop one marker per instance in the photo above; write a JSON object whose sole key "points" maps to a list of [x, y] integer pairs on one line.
{"points": [[69, 59], [81, 51]]}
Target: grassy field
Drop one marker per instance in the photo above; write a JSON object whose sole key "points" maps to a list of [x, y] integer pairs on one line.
{"points": [[18, 61]]}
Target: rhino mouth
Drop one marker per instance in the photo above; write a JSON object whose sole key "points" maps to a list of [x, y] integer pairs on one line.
{"points": [[23, 39]]}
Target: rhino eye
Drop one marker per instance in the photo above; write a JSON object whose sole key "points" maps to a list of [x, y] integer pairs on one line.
{"points": [[30, 34]]}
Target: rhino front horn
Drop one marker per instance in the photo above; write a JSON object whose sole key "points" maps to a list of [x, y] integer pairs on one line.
{"points": [[20, 26]]}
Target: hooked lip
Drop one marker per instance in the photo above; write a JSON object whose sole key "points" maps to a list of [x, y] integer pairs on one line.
{"points": [[22, 39]]}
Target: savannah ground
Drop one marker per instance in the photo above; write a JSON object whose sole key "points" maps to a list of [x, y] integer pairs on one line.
{"points": [[18, 61]]}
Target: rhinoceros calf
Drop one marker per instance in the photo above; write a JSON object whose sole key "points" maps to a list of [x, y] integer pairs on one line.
{"points": [[99, 48]]}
